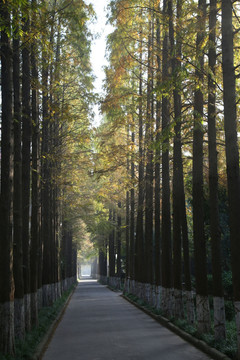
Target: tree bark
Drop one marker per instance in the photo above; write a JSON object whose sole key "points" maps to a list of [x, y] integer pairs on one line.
{"points": [[26, 160], [203, 312], [111, 248], [178, 187], [186, 260], [19, 317], [119, 245], [139, 244], [35, 218], [157, 170], [166, 217], [6, 245], [45, 185], [127, 238], [232, 151], [219, 312], [132, 214], [149, 168]]}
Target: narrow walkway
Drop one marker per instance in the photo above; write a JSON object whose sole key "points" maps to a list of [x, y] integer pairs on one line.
{"points": [[100, 325]]}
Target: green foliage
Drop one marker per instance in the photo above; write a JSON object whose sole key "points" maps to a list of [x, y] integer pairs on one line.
{"points": [[184, 325], [227, 346], [229, 310], [27, 348], [227, 284]]}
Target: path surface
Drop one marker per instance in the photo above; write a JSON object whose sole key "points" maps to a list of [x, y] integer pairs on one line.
{"points": [[100, 325]]}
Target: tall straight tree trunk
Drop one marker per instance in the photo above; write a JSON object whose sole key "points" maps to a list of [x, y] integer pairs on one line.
{"points": [[139, 244], [63, 254], [232, 152], [19, 318], [6, 245], [103, 261], [149, 170], [111, 249], [57, 164], [127, 230], [53, 132], [45, 186], [157, 177], [56, 238], [132, 213], [202, 303], [166, 217], [114, 242], [47, 200], [186, 260], [74, 264], [175, 50], [35, 219], [100, 262], [52, 171], [26, 160], [218, 299], [68, 254], [152, 102], [70, 257], [127, 243], [119, 245], [190, 308]]}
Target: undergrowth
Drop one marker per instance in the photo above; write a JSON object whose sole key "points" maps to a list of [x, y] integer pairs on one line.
{"points": [[227, 346], [27, 348]]}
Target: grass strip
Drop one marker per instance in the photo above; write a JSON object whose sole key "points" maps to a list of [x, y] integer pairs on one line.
{"points": [[34, 342], [219, 350]]}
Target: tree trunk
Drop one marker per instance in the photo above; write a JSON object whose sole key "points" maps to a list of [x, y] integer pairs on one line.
{"points": [[103, 261], [186, 260], [132, 214], [26, 160], [219, 312], [157, 178], [128, 258], [139, 244], [232, 152], [166, 217], [149, 170], [35, 219], [203, 312], [63, 254], [119, 245], [127, 238], [111, 249], [57, 165], [45, 186], [177, 166], [6, 246], [19, 317]]}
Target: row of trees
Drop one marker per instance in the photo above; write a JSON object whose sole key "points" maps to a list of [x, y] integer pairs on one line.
{"points": [[157, 170], [46, 83], [171, 117]]}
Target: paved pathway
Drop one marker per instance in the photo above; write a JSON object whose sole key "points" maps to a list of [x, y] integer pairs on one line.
{"points": [[100, 325]]}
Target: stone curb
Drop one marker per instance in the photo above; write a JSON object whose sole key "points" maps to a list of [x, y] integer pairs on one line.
{"points": [[42, 346], [200, 344]]}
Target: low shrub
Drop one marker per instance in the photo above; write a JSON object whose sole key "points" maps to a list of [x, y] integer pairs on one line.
{"points": [[27, 348]]}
